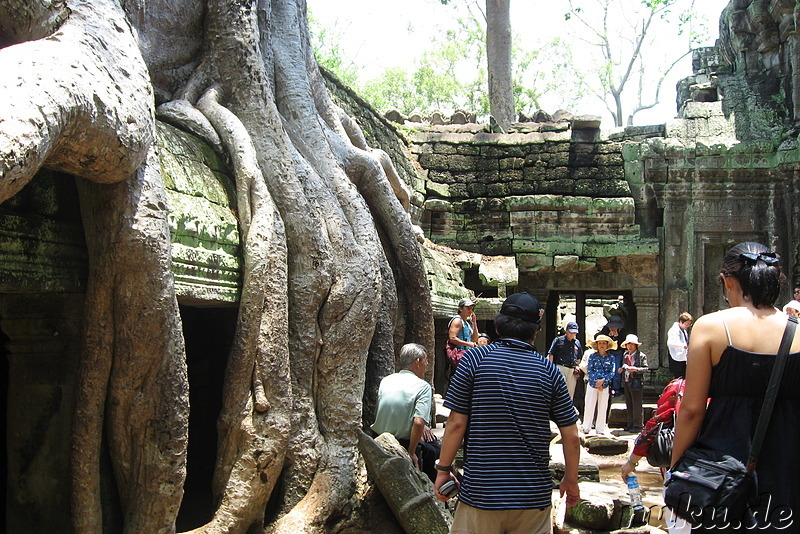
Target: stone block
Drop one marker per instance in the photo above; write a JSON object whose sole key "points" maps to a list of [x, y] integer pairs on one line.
{"points": [[488, 177], [592, 514], [511, 175], [609, 159], [459, 191], [498, 271], [720, 127], [610, 173], [494, 151], [693, 110], [468, 150], [458, 162], [558, 173], [556, 147], [533, 262], [441, 177], [585, 173], [406, 489], [437, 162], [523, 188], [438, 205], [605, 445], [556, 136], [444, 148], [477, 189], [511, 163], [486, 164], [435, 188], [565, 263], [497, 190], [589, 122], [677, 128], [497, 247], [556, 187], [534, 173]]}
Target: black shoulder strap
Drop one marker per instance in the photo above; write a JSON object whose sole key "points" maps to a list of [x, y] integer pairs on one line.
{"points": [[772, 393]]}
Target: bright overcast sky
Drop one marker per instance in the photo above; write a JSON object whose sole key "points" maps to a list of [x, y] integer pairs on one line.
{"points": [[385, 33]]}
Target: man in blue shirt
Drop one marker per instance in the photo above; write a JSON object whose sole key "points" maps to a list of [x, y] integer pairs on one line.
{"points": [[566, 353], [502, 398]]}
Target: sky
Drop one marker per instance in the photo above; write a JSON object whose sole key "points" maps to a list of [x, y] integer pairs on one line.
{"points": [[377, 34]]}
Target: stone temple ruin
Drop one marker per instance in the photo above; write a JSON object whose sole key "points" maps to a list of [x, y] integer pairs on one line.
{"points": [[576, 215]]}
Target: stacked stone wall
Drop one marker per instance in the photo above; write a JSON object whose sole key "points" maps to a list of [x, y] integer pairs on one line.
{"points": [[540, 192]]}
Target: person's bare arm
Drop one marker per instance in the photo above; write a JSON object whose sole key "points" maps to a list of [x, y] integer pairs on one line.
{"points": [[474, 320], [413, 441], [454, 432], [571, 444], [698, 379]]}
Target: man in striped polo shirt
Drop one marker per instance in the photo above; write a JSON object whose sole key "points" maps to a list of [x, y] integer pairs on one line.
{"points": [[502, 398]]}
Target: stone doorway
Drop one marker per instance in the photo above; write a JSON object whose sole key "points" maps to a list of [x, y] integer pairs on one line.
{"points": [[209, 334]]}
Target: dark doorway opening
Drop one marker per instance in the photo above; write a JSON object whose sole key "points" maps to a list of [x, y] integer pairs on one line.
{"points": [[590, 309], [209, 334]]}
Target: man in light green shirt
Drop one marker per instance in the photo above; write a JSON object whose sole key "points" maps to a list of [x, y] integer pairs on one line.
{"points": [[404, 408]]}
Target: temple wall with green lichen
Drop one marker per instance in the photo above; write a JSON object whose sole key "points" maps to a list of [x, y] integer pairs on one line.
{"points": [[561, 206]]}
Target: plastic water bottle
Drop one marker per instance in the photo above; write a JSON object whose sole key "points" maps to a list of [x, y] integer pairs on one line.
{"points": [[634, 492]]}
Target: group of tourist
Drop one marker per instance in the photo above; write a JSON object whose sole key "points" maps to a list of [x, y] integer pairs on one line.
{"points": [[503, 395], [612, 365]]}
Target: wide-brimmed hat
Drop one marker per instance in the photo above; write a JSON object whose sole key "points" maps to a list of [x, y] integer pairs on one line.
{"points": [[615, 321], [612, 345], [631, 338]]}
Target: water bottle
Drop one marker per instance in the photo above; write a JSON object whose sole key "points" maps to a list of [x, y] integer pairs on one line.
{"points": [[634, 492]]}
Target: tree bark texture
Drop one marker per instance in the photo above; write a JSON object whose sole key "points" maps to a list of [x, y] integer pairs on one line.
{"points": [[498, 57], [333, 278]]}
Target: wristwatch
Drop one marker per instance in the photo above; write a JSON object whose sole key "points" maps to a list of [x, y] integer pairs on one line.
{"points": [[440, 467]]}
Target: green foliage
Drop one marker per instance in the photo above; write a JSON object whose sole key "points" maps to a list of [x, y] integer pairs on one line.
{"points": [[452, 73], [327, 44]]}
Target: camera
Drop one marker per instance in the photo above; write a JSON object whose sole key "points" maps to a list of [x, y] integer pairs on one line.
{"points": [[449, 489]]}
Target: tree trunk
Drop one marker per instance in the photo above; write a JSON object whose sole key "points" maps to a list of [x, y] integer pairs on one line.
{"points": [[327, 245], [498, 57]]}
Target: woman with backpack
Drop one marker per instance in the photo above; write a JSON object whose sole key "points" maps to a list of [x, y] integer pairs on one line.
{"points": [[462, 331]]}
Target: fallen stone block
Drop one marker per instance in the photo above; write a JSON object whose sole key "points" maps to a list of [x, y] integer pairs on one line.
{"points": [[408, 490], [605, 445]]}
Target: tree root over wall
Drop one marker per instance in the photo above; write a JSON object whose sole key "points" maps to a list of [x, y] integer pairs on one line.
{"points": [[333, 277]]}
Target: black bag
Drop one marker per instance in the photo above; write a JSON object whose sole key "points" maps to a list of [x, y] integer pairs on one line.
{"points": [[660, 452], [710, 487]]}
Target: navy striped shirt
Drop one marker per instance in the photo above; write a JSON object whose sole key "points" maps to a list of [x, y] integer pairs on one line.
{"points": [[510, 393]]}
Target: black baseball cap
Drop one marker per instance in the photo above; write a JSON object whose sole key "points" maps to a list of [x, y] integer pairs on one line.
{"points": [[522, 306]]}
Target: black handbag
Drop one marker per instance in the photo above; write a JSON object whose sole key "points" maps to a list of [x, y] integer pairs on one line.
{"points": [[660, 452], [708, 487]]}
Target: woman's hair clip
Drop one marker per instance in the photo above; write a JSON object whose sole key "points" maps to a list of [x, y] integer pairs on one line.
{"points": [[770, 258]]}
